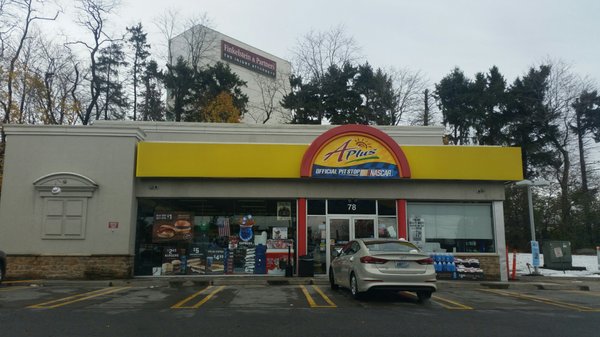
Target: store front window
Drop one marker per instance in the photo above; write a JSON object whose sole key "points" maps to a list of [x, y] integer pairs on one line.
{"points": [[452, 227], [215, 236]]}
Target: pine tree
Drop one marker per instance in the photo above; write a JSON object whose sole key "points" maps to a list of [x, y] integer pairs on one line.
{"points": [[111, 59], [140, 47]]}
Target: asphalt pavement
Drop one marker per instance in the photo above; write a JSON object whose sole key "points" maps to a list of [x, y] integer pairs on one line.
{"points": [[522, 282]]}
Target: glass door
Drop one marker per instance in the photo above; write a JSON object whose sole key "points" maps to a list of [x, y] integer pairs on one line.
{"points": [[342, 229], [364, 228], [338, 235]]}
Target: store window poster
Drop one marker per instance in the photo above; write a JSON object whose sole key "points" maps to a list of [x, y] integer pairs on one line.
{"points": [[172, 226], [280, 233], [196, 261], [284, 210]]}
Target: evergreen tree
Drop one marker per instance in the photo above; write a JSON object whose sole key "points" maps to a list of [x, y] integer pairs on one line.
{"points": [[304, 101], [110, 61], [454, 99], [137, 41], [152, 107], [212, 81], [179, 80], [529, 121], [342, 95]]}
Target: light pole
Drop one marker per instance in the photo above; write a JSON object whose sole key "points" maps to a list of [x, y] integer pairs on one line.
{"points": [[535, 248]]}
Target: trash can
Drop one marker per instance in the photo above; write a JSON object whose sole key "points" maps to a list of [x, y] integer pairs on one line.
{"points": [[306, 266]]}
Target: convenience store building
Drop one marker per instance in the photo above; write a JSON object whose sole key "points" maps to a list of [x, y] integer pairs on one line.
{"points": [[123, 199]]}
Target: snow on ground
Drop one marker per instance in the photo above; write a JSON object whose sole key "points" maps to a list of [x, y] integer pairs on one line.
{"points": [[590, 262]]}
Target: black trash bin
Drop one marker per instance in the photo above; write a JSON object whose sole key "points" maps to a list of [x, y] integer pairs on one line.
{"points": [[306, 267]]}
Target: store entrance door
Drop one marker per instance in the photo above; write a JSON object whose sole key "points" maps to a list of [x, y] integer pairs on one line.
{"points": [[342, 229]]}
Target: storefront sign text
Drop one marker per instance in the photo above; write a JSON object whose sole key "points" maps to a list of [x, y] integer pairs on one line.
{"points": [[355, 156], [247, 59]]}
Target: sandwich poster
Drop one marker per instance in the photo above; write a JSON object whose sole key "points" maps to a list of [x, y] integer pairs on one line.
{"points": [[172, 226]]}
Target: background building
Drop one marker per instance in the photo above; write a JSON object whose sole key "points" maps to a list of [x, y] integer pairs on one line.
{"points": [[266, 75]]}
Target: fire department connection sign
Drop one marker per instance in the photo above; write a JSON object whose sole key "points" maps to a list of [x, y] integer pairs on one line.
{"points": [[355, 156]]}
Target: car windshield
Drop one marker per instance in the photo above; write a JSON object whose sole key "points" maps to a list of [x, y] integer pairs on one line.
{"points": [[390, 246]]}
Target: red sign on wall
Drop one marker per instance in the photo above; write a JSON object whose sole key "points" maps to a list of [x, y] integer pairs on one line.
{"points": [[248, 59]]}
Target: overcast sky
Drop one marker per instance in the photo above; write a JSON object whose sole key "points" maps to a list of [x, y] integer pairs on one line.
{"points": [[433, 36]]}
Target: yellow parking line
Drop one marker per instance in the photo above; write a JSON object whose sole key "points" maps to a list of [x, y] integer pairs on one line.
{"points": [[583, 292], [13, 288], [181, 304], [538, 299], [312, 302], [317, 289], [455, 305], [20, 281], [76, 298]]}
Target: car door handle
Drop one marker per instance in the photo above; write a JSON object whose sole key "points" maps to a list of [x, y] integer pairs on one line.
{"points": [[351, 258]]}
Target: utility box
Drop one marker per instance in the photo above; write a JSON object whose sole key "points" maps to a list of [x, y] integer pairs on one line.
{"points": [[557, 255]]}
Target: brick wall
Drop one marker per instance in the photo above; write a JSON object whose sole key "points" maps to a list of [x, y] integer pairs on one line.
{"points": [[489, 263], [69, 267]]}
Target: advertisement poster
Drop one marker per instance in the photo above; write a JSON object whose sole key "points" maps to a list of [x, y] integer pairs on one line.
{"points": [[280, 244], [196, 262], [277, 261], [171, 261], [284, 211], [280, 233], [215, 261], [416, 231], [172, 226]]}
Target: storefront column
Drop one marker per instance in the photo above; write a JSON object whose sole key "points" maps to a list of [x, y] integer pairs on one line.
{"points": [[301, 230], [498, 214], [402, 228]]}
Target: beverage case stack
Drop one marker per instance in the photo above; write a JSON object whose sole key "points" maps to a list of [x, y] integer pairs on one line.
{"points": [[447, 266]]}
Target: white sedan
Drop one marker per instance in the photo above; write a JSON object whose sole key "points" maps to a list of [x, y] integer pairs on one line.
{"points": [[383, 264]]}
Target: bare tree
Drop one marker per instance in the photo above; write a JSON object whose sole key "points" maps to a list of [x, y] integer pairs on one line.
{"points": [[25, 13], [408, 89], [271, 91], [564, 87], [59, 73], [192, 37], [316, 51], [93, 15]]}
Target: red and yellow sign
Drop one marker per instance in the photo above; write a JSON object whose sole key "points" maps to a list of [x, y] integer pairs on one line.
{"points": [[354, 151]]}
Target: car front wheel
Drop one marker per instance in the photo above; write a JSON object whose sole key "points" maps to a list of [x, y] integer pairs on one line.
{"points": [[354, 287], [332, 283]]}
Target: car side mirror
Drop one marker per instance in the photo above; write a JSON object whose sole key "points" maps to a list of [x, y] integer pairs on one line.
{"points": [[336, 253]]}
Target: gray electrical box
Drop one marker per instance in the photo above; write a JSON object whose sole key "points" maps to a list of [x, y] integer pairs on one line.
{"points": [[557, 255]]}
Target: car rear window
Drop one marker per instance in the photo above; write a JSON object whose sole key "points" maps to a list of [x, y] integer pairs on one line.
{"points": [[390, 246]]}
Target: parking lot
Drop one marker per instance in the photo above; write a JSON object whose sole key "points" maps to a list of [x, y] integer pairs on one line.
{"points": [[204, 297]]}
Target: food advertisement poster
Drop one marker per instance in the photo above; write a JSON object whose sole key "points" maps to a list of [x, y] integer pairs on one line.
{"points": [[196, 261], [171, 261], [215, 261], [284, 210], [172, 226]]}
